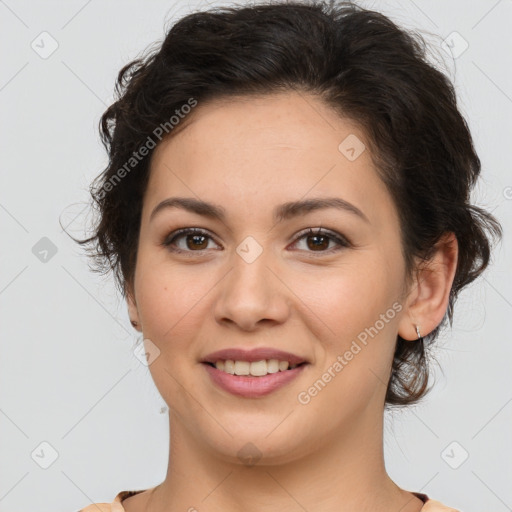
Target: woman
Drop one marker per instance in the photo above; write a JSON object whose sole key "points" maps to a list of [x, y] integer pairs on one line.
{"points": [[286, 211]]}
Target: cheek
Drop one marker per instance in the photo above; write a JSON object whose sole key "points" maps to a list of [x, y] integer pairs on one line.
{"points": [[170, 300], [354, 363], [349, 298], [355, 319], [171, 303]]}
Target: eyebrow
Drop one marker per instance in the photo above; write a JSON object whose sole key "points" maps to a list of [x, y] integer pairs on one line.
{"points": [[282, 212]]}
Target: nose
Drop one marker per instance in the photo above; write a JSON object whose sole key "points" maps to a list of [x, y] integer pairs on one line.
{"points": [[252, 295]]}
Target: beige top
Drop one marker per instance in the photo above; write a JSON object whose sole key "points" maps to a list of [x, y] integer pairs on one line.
{"points": [[117, 505]]}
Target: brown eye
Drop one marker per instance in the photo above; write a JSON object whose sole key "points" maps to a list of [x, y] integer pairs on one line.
{"points": [[320, 241], [196, 241], [188, 240]]}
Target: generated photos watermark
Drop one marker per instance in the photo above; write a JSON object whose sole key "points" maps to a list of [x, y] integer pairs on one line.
{"points": [[305, 397], [159, 132]]}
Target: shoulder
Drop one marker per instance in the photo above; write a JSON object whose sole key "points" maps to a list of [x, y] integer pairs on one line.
{"points": [[437, 506], [115, 506], [98, 507]]}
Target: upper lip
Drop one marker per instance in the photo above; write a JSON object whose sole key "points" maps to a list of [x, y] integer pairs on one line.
{"points": [[256, 354]]}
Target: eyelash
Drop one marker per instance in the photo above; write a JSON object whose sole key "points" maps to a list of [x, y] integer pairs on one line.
{"points": [[342, 241]]}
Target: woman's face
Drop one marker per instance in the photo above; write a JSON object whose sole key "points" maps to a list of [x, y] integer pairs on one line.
{"points": [[258, 279]]}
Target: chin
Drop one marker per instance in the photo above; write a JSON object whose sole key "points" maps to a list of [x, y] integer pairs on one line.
{"points": [[258, 445]]}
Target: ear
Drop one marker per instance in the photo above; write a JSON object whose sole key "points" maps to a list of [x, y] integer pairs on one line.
{"points": [[427, 301], [132, 308]]}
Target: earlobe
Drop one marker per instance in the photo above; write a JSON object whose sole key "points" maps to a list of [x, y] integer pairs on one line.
{"points": [[132, 310], [429, 300]]}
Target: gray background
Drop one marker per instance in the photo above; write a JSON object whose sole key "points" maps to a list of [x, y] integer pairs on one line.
{"points": [[68, 375]]}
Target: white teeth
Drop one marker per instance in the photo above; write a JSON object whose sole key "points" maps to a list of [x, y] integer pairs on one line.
{"points": [[242, 368], [229, 367], [283, 365], [272, 366], [255, 368], [258, 368]]}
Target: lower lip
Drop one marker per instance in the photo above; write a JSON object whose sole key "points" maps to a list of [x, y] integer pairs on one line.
{"points": [[252, 387]]}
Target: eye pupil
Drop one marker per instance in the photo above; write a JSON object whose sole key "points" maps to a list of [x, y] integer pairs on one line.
{"points": [[196, 244], [318, 245]]}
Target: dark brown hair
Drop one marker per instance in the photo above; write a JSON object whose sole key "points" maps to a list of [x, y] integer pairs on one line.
{"points": [[360, 64]]}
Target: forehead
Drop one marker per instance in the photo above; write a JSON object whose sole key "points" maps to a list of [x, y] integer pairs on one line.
{"points": [[263, 149], [293, 118]]}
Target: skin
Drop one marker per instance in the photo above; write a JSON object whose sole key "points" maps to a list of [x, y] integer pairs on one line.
{"points": [[250, 155]]}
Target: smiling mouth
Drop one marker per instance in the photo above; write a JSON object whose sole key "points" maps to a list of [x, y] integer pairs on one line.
{"points": [[254, 368]]}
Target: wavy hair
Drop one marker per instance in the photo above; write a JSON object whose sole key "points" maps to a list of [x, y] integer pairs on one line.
{"points": [[359, 63]]}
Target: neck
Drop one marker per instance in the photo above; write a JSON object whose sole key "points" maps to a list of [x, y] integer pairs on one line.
{"points": [[344, 473]]}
